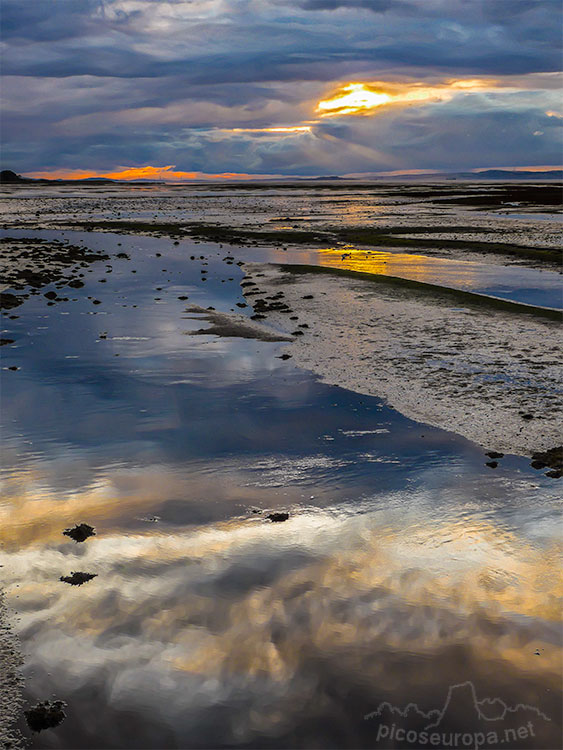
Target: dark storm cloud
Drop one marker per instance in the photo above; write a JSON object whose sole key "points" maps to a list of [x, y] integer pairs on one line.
{"points": [[97, 83], [375, 6], [47, 20], [119, 39]]}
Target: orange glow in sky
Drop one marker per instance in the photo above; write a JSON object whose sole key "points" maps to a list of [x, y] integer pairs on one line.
{"points": [[138, 173], [366, 98]]}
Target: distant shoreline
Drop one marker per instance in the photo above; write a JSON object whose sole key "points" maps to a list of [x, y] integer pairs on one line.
{"points": [[8, 177]]}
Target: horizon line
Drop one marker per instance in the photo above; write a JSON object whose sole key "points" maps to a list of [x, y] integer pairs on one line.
{"points": [[169, 175]]}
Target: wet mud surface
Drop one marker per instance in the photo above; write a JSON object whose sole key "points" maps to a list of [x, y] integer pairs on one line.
{"points": [[490, 375], [465, 218], [28, 265]]}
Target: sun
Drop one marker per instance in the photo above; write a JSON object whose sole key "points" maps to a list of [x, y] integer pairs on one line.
{"points": [[354, 98]]}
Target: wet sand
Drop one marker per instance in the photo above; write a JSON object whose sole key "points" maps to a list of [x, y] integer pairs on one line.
{"points": [[11, 700], [231, 326], [27, 265], [490, 375]]}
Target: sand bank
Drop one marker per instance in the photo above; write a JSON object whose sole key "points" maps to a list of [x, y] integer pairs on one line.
{"points": [[232, 325], [10, 683], [487, 372]]}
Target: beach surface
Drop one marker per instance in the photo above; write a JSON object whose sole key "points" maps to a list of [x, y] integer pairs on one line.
{"points": [[491, 375]]}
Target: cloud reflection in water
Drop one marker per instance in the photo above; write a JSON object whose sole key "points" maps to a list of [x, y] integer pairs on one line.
{"points": [[266, 624]]}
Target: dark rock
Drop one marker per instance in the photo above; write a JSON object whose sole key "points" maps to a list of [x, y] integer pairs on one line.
{"points": [[75, 284], [492, 464], [77, 578], [552, 458], [123, 255], [277, 517], [494, 454], [45, 715], [7, 301], [308, 296], [527, 416], [50, 295], [80, 532], [183, 297], [554, 473], [3, 342], [284, 356], [297, 333]]}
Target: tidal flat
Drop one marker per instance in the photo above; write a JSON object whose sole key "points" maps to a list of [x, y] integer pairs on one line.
{"points": [[280, 461]]}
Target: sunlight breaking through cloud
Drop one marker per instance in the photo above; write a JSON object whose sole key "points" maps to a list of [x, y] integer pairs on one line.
{"points": [[354, 98], [366, 98], [288, 130]]}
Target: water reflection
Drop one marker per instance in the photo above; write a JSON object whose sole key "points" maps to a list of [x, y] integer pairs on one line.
{"points": [[252, 622], [528, 285]]}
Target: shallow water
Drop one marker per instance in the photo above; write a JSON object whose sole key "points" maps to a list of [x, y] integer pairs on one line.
{"points": [[407, 566], [517, 283]]}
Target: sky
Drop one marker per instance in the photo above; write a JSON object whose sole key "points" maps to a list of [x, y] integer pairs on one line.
{"points": [[184, 89]]}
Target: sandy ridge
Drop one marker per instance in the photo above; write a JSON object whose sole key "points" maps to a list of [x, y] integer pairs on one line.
{"points": [[492, 376]]}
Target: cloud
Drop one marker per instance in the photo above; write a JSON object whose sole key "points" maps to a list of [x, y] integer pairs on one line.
{"points": [[204, 84], [374, 6]]}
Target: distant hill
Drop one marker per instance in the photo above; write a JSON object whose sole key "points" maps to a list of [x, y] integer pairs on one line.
{"points": [[11, 178], [6, 175], [509, 174]]}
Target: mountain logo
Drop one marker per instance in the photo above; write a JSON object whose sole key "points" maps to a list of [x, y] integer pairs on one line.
{"points": [[463, 721]]}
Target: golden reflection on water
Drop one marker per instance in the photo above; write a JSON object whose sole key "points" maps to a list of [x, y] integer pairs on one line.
{"points": [[405, 265], [186, 617], [357, 585], [32, 513]]}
